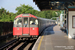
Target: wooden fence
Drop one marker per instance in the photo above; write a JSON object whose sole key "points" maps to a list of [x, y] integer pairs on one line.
{"points": [[6, 28]]}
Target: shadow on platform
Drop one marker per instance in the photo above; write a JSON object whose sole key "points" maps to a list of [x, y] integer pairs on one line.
{"points": [[49, 30]]}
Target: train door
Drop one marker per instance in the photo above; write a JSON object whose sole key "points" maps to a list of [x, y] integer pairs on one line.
{"points": [[34, 30], [25, 25], [17, 29]]}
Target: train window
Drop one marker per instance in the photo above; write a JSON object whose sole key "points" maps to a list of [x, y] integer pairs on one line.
{"points": [[18, 22], [33, 22], [25, 22]]}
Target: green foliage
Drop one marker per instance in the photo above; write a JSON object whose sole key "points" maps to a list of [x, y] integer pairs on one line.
{"points": [[6, 16], [24, 9], [54, 18], [48, 14]]}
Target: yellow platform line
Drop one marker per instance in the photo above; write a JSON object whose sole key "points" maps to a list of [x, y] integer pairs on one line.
{"points": [[40, 43]]}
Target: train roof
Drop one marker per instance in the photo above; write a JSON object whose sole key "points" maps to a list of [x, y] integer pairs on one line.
{"points": [[26, 15], [45, 19], [30, 15]]}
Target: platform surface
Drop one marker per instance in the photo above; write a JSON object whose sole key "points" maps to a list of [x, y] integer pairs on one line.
{"points": [[54, 39]]}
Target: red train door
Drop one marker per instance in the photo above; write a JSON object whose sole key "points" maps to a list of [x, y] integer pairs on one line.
{"points": [[34, 30], [25, 25]]}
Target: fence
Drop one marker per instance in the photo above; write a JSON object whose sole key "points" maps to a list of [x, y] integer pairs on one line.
{"points": [[6, 28]]}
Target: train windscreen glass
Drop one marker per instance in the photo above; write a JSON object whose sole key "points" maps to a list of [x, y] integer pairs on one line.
{"points": [[33, 22], [18, 22]]}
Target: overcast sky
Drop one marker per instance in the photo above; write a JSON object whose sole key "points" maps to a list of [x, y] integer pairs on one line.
{"points": [[10, 5]]}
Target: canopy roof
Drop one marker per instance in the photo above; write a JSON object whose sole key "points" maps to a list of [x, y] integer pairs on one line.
{"points": [[54, 4]]}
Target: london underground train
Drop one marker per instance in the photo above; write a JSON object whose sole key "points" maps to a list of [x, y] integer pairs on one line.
{"points": [[28, 25]]}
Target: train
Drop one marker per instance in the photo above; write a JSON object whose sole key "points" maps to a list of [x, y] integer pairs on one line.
{"points": [[28, 25]]}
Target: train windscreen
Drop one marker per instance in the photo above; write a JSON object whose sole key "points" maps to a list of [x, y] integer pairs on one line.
{"points": [[18, 22], [33, 22]]}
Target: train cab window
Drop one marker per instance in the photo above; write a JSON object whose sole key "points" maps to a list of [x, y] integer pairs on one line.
{"points": [[33, 22], [18, 22]]}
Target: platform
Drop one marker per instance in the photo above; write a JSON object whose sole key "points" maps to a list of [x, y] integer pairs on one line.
{"points": [[54, 39]]}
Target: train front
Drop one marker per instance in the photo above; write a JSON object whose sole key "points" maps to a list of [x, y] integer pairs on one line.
{"points": [[25, 25]]}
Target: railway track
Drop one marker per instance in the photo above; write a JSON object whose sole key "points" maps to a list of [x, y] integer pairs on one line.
{"points": [[25, 44], [8, 44]]}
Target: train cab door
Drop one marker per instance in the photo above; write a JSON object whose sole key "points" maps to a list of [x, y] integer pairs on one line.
{"points": [[25, 25], [34, 30]]}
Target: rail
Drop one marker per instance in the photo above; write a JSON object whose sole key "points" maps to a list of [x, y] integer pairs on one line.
{"points": [[7, 44]]}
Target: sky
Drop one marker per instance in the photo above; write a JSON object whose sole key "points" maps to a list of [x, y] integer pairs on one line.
{"points": [[10, 5]]}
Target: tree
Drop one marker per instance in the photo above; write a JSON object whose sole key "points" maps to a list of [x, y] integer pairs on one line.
{"points": [[24, 9], [6, 16]]}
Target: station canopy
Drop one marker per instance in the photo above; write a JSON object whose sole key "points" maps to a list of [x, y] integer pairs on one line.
{"points": [[54, 4]]}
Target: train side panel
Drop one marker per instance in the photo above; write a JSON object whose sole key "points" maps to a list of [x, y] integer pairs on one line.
{"points": [[45, 23]]}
